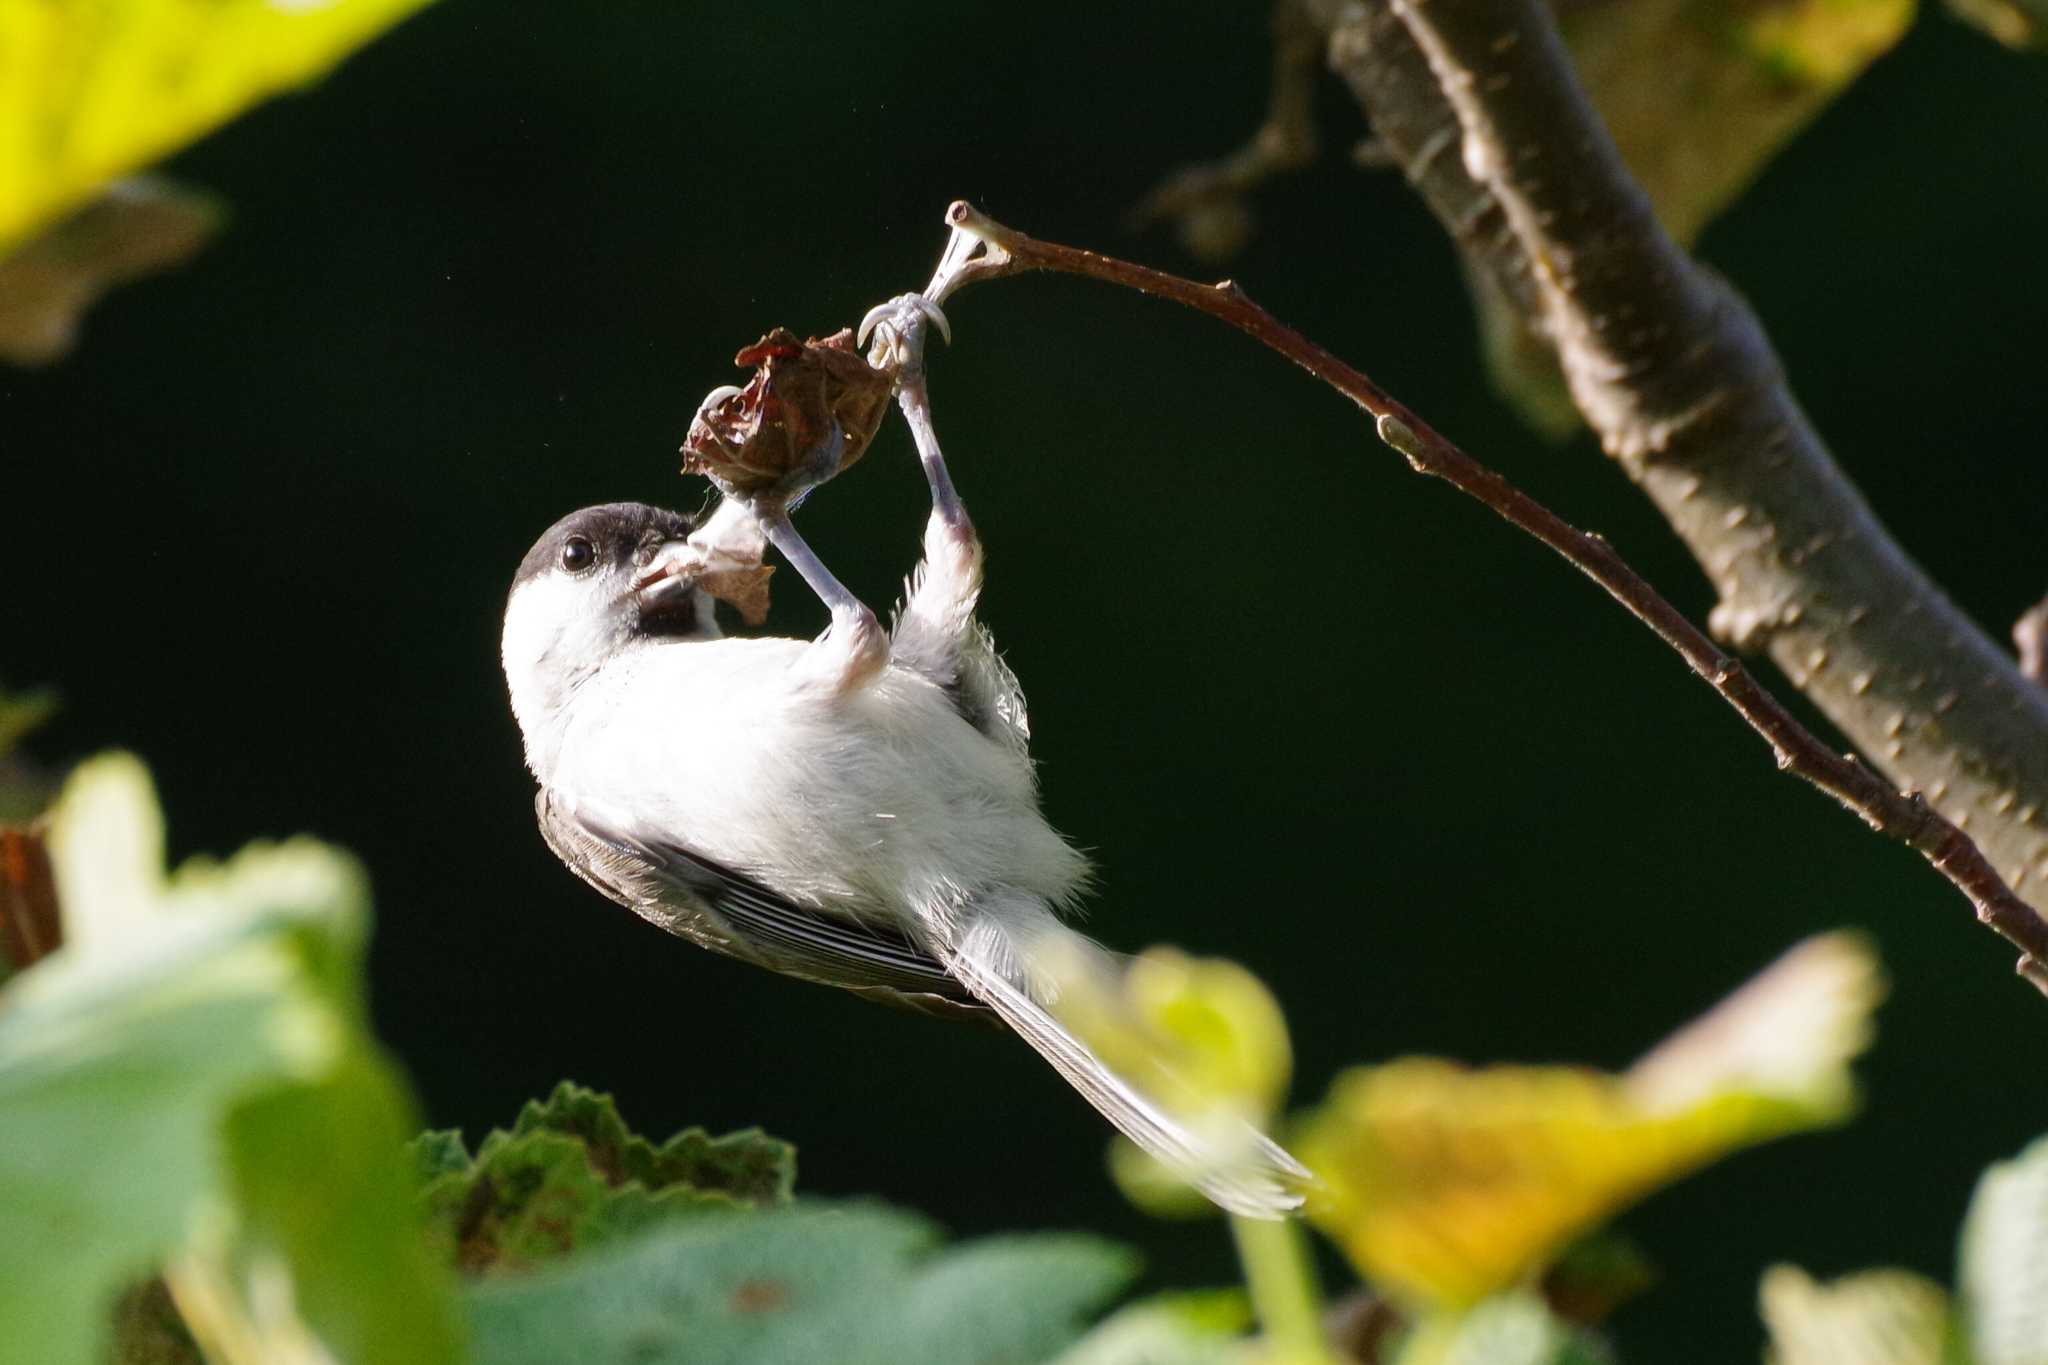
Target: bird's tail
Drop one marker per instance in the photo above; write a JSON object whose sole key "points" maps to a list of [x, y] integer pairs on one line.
{"points": [[1244, 1172]]}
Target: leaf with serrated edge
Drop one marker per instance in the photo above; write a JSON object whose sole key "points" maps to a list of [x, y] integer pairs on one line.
{"points": [[570, 1175]]}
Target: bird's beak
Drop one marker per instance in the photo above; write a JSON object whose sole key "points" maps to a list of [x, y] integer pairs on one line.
{"points": [[670, 575]]}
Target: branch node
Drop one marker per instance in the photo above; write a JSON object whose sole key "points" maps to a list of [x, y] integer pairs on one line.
{"points": [[1402, 437]]}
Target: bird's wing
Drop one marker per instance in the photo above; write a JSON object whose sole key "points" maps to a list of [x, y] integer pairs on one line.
{"points": [[730, 913]]}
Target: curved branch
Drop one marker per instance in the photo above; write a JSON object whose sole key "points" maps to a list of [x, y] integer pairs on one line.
{"points": [[1675, 374], [1900, 816]]}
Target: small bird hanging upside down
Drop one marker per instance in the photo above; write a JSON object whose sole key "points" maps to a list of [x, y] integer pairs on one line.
{"points": [[858, 810]]}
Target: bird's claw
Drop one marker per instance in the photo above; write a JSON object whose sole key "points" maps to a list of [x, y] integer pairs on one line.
{"points": [[902, 318]]}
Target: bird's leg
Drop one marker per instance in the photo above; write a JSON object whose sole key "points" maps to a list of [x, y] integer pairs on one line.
{"points": [[943, 591], [853, 649]]}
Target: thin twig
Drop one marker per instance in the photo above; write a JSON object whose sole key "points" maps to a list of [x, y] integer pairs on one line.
{"points": [[1904, 817]]}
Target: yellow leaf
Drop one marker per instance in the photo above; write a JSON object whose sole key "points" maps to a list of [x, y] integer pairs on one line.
{"points": [[93, 89], [1699, 94], [1446, 1184]]}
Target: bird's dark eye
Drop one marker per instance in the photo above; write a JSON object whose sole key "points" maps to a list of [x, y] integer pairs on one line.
{"points": [[578, 554]]}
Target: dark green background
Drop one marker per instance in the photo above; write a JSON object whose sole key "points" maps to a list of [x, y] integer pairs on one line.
{"points": [[1310, 713]]}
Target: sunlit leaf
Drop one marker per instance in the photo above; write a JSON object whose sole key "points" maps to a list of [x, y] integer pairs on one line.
{"points": [[570, 1175], [146, 1066], [853, 1285], [93, 91], [1700, 93], [1201, 1036], [1879, 1317], [1173, 1329], [1512, 1329], [1446, 1184], [2003, 1280]]}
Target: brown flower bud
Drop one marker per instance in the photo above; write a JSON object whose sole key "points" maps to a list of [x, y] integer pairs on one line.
{"points": [[752, 440]]}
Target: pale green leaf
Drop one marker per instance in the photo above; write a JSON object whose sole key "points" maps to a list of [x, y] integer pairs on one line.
{"points": [[188, 1081], [2003, 1278], [1878, 1317], [852, 1284], [1206, 1328], [1511, 1329]]}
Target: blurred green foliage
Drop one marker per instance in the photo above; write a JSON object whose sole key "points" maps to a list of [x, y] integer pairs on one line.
{"points": [[189, 1082]]}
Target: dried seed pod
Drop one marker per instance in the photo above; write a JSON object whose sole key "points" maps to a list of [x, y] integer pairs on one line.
{"points": [[752, 440]]}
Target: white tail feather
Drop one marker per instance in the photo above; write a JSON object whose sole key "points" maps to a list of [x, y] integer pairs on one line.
{"points": [[1255, 1177]]}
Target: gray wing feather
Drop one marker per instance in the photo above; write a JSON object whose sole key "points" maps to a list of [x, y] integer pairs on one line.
{"points": [[730, 913]]}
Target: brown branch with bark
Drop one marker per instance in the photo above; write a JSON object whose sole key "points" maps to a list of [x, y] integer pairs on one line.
{"points": [[1901, 816], [1477, 101]]}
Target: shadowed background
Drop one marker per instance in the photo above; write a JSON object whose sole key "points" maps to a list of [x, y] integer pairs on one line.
{"points": [[1308, 711]]}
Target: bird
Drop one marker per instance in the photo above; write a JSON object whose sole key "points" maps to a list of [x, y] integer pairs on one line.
{"points": [[859, 809]]}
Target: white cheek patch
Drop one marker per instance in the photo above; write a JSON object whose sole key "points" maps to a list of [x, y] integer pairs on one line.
{"points": [[556, 629], [535, 618]]}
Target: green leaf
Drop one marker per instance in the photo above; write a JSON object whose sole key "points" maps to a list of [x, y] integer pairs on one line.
{"points": [[1510, 1329], [851, 1284], [95, 91], [148, 1067], [438, 1152], [1204, 1328], [2004, 1273], [570, 1174], [1878, 1317], [748, 1166], [364, 1278]]}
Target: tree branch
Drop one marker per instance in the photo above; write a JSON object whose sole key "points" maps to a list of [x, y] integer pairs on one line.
{"points": [[1672, 370], [1905, 818]]}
